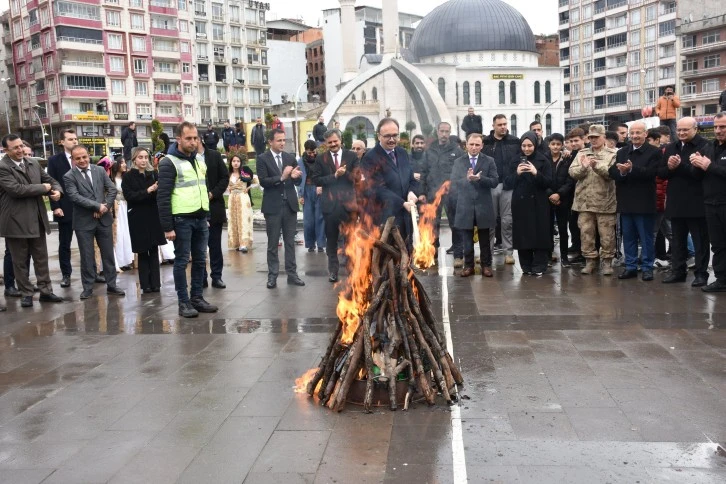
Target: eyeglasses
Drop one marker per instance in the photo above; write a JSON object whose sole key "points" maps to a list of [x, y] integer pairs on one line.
{"points": [[357, 149], [389, 136]]}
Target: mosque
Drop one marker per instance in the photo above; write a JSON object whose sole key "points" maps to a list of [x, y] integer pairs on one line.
{"points": [[478, 53]]}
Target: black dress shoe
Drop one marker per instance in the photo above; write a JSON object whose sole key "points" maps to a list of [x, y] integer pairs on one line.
{"points": [[450, 250], [155, 289], [205, 283], [671, 278], [100, 279], [295, 280], [27, 301], [203, 306], [219, 284], [66, 281], [12, 292], [87, 293], [50, 297], [321, 250], [311, 249], [716, 286], [577, 260], [628, 274], [333, 277], [271, 284], [647, 276], [187, 311], [699, 281], [115, 291], [147, 290]]}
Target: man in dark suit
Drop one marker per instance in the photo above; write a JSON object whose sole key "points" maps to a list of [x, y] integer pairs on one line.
{"points": [[217, 181], [278, 173], [390, 189], [335, 171], [93, 194], [23, 218], [472, 123], [58, 165], [257, 137], [128, 139]]}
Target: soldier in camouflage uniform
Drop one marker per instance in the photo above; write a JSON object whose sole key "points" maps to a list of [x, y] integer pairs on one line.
{"points": [[595, 200]]}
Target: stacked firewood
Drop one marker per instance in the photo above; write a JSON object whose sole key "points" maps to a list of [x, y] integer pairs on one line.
{"points": [[397, 338]]}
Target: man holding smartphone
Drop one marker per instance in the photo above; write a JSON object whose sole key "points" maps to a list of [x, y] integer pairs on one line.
{"points": [[666, 108]]}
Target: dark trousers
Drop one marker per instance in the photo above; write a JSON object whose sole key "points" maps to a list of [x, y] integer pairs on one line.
{"points": [[716, 220], [533, 260], [21, 250], [562, 214], [284, 222], [149, 275], [638, 226], [9, 272], [104, 238], [681, 226], [192, 235], [574, 231], [456, 237], [332, 234], [313, 220], [65, 237], [671, 123], [485, 250], [216, 259]]}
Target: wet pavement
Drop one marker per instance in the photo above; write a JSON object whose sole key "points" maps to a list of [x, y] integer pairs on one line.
{"points": [[569, 378]]}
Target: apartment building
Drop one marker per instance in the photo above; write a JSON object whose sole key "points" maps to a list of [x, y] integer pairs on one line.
{"points": [[618, 56], [8, 92]]}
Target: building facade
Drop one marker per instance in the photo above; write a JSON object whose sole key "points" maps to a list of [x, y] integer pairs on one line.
{"points": [[548, 48], [315, 57], [8, 92], [618, 56]]}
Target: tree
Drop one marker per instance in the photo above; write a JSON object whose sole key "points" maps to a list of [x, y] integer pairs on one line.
{"points": [[427, 130], [410, 126], [156, 130], [268, 119], [347, 139]]}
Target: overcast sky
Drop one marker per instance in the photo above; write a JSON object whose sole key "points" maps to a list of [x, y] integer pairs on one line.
{"points": [[542, 20]]}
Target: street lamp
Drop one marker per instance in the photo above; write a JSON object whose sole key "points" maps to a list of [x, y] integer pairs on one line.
{"points": [[42, 130], [545, 112], [7, 109], [296, 128], [50, 128]]}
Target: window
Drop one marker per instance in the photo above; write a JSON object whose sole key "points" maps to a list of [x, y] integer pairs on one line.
{"points": [[711, 37], [649, 55], [113, 18], [233, 13], [442, 88], [374, 94], [586, 12], [239, 95], [186, 67], [548, 125], [513, 125], [587, 86], [164, 67], [117, 64], [501, 92], [690, 65], [635, 16], [140, 66], [115, 41], [688, 41], [92, 83], [548, 92], [688, 88], [239, 113], [668, 50], [141, 88], [223, 112], [587, 31], [650, 34], [574, 15], [187, 89], [136, 3], [650, 96], [635, 58], [635, 78], [256, 97], [667, 72], [206, 113], [76, 10], [183, 26], [536, 92], [575, 34], [143, 109], [166, 89], [667, 28], [465, 89], [164, 44], [710, 85], [635, 98], [188, 110], [137, 21], [201, 29], [217, 11], [651, 13], [713, 60], [619, 21], [218, 31], [512, 92], [587, 50], [221, 94], [138, 44], [634, 37], [185, 47], [164, 110], [204, 94], [649, 76]]}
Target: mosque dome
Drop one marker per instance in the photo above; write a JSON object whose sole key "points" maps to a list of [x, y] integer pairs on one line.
{"points": [[472, 26]]}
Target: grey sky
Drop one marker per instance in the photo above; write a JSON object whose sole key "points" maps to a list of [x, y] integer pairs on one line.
{"points": [[542, 19]]}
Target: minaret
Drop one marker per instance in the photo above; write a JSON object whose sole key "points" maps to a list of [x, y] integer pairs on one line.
{"points": [[347, 28], [390, 27]]}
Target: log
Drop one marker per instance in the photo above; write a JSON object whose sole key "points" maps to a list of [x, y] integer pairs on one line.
{"points": [[381, 245], [347, 374], [329, 376], [323, 362], [375, 258]]}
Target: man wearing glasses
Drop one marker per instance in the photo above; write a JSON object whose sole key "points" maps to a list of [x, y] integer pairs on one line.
{"points": [[388, 179]]}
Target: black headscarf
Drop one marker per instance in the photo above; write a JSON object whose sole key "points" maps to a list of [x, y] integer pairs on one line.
{"points": [[532, 136]]}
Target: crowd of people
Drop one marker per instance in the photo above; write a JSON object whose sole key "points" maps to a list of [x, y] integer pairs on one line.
{"points": [[606, 192]]}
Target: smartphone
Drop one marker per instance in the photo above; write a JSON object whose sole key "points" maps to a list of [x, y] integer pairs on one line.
{"points": [[522, 160]]}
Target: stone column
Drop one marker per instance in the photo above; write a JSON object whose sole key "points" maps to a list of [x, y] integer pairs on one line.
{"points": [[347, 29], [390, 27]]}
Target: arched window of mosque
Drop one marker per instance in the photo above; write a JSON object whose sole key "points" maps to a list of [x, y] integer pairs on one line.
{"points": [[352, 97], [374, 94], [513, 124], [512, 92], [501, 92], [538, 118], [477, 93], [442, 88], [536, 92], [466, 93], [548, 124], [456, 90], [363, 96], [548, 92]]}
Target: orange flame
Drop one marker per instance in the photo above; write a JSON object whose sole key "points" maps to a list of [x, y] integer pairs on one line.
{"points": [[354, 299], [424, 251], [301, 384]]}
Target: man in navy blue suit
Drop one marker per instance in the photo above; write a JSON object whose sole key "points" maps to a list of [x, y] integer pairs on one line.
{"points": [[388, 179]]}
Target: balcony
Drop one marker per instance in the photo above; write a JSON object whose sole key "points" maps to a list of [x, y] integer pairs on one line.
{"points": [[708, 71], [701, 96], [164, 7], [696, 49], [169, 119], [200, 13], [6, 38], [78, 43], [163, 96], [369, 106], [82, 67]]}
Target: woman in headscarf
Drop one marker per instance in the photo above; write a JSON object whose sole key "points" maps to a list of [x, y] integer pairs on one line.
{"points": [[531, 226]]}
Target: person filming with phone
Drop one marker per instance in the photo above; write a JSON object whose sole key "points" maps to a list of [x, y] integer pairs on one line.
{"points": [[666, 109]]}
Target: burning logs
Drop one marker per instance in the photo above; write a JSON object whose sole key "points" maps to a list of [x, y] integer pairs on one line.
{"points": [[388, 333]]}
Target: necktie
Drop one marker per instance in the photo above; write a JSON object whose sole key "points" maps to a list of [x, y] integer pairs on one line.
{"points": [[87, 176], [393, 157], [473, 162], [279, 162], [335, 157]]}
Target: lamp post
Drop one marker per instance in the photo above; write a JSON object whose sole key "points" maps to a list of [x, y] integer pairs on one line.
{"points": [[296, 128], [50, 128], [7, 108], [545, 112], [605, 98], [42, 130]]}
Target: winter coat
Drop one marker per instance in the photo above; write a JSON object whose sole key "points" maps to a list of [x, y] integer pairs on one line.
{"points": [[562, 183], [666, 108], [714, 178], [636, 191], [531, 224], [684, 196], [210, 139], [472, 124], [319, 132], [240, 138], [258, 138], [594, 189], [228, 137], [505, 152], [217, 182], [143, 213], [474, 199], [129, 141], [438, 163]]}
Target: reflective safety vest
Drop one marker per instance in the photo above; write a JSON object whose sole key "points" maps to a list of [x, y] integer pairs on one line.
{"points": [[190, 188]]}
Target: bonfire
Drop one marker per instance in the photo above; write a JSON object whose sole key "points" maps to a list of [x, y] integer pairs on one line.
{"points": [[388, 344]]}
